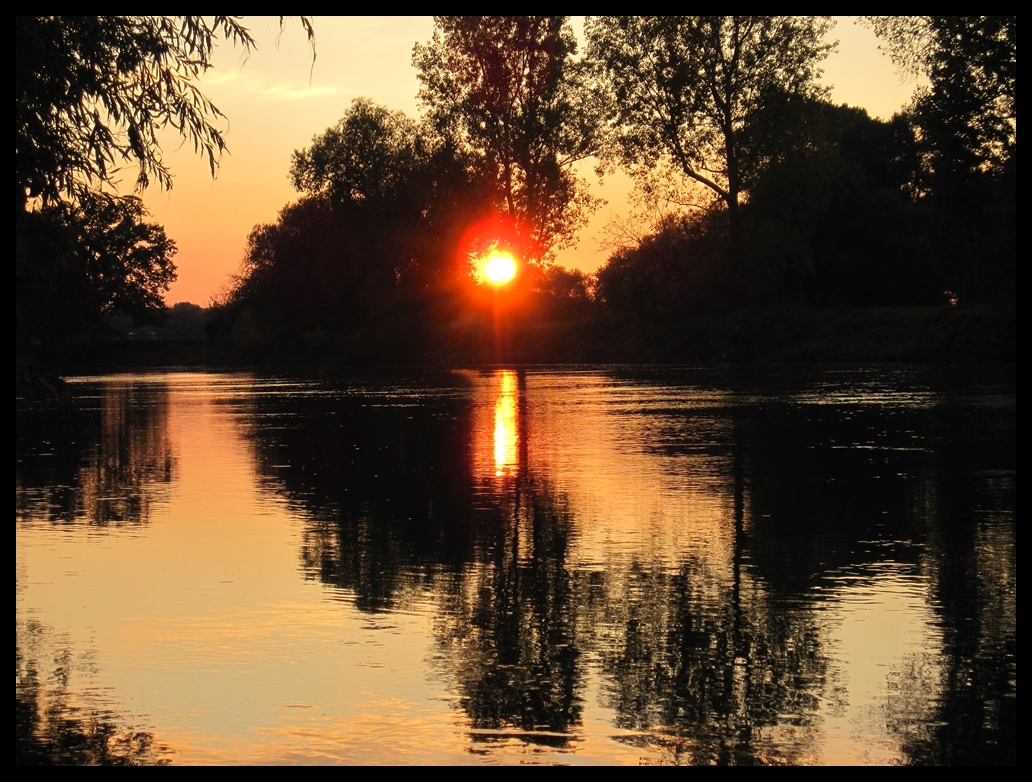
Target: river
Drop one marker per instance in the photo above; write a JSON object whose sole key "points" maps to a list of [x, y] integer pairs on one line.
{"points": [[730, 565]]}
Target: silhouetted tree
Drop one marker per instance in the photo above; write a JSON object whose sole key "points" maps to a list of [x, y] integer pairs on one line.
{"points": [[508, 89], [968, 113], [93, 93], [679, 269], [834, 215], [302, 269], [966, 119], [372, 247], [406, 181], [564, 294], [367, 158], [704, 93], [77, 264]]}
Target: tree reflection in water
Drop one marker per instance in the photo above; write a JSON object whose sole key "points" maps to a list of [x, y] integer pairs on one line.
{"points": [[973, 574], [103, 463], [760, 511], [508, 634], [698, 656], [712, 641], [54, 729]]}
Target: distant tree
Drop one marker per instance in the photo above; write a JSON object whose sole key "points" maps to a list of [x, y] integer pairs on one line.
{"points": [[93, 92], [304, 271], [186, 321], [507, 88], [678, 270], [561, 294], [705, 93]]}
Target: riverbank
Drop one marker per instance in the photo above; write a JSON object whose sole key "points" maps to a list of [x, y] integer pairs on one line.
{"points": [[945, 334]]}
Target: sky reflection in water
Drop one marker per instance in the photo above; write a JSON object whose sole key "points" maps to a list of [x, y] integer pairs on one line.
{"points": [[694, 566]]}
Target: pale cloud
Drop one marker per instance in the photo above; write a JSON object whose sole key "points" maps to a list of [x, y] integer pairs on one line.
{"points": [[263, 87], [216, 76], [287, 92]]}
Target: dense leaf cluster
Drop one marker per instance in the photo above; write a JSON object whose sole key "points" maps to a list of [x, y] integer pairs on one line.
{"points": [[93, 92], [705, 92], [78, 263]]}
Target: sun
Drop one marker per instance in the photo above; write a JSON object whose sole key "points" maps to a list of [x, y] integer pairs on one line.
{"points": [[497, 268]]}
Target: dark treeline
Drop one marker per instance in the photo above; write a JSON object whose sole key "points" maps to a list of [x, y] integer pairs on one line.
{"points": [[770, 199], [797, 202]]}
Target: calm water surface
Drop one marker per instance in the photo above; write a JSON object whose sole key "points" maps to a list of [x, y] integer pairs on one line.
{"points": [[607, 565]]}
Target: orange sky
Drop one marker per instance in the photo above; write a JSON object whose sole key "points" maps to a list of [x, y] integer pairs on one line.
{"points": [[276, 101]]}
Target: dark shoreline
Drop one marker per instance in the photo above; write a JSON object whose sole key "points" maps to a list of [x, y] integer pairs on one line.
{"points": [[921, 335]]}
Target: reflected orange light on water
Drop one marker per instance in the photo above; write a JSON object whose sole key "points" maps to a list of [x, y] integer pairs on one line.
{"points": [[505, 433], [609, 537]]}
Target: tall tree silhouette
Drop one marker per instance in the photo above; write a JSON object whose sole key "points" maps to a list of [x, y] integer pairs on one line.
{"points": [[704, 93], [966, 119], [508, 88]]}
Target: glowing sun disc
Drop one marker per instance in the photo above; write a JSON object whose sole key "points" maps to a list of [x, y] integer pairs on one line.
{"points": [[498, 268]]}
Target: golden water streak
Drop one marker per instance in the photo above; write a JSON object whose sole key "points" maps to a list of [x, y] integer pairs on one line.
{"points": [[505, 432]]}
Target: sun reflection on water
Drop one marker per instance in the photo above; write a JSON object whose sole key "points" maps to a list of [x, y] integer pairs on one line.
{"points": [[505, 436]]}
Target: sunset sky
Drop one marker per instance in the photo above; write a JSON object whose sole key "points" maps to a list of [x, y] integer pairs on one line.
{"points": [[276, 100]]}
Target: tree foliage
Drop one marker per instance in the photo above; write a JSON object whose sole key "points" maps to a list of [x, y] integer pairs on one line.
{"points": [[966, 118], [705, 93], [374, 258], [386, 164], [372, 242], [92, 94], [78, 263], [128, 261], [679, 269], [833, 219], [968, 113], [408, 187], [365, 158], [507, 88]]}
